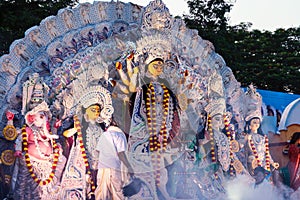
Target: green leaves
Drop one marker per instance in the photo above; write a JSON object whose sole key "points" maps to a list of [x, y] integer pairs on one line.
{"points": [[18, 16], [269, 60]]}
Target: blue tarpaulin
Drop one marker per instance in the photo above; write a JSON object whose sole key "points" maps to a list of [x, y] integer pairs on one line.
{"points": [[279, 100]]}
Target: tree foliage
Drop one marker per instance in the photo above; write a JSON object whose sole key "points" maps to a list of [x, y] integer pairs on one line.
{"points": [[17, 16], [269, 60], [209, 14]]}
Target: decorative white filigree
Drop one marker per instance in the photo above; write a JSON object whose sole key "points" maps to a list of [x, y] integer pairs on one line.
{"points": [[253, 101], [156, 16], [86, 95], [156, 45]]}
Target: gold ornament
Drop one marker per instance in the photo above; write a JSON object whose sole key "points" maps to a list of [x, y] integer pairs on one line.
{"points": [[254, 164], [238, 166], [7, 157], [10, 132], [234, 146]]}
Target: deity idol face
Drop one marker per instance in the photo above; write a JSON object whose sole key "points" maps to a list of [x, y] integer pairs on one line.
{"points": [[254, 125], [40, 119], [217, 122], [156, 67], [93, 112]]}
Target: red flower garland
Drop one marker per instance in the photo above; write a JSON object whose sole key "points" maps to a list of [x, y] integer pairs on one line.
{"points": [[268, 156], [267, 153], [29, 165], [83, 152]]}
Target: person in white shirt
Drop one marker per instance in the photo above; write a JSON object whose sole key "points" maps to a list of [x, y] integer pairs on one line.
{"points": [[112, 145]]}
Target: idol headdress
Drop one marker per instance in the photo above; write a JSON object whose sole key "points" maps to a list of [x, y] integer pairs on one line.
{"points": [[217, 103], [35, 92], [156, 45], [86, 95], [253, 101]]}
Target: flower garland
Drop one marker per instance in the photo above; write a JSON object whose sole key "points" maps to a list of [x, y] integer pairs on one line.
{"points": [[254, 151], [229, 135], [212, 148], [211, 134], [29, 165], [83, 152], [268, 156], [267, 153], [154, 142]]}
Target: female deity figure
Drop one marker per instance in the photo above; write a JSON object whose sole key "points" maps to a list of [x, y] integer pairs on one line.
{"points": [[258, 147], [41, 161], [91, 130], [154, 127], [93, 108], [216, 109], [257, 144]]}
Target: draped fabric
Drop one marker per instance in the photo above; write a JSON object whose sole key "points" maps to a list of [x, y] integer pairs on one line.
{"points": [[293, 166], [26, 188]]}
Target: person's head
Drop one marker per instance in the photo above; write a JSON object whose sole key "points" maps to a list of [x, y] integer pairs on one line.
{"points": [[295, 138], [155, 67], [270, 111], [259, 174], [253, 126]]}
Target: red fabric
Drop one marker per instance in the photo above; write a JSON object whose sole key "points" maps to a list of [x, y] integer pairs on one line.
{"points": [[174, 135], [293, 166]]}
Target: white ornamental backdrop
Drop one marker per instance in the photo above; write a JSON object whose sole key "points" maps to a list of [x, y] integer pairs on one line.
{"points": [[90, 45]]}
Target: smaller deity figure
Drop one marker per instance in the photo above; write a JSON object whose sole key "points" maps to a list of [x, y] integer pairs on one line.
{"points": [[67, 16], [41, 161], [7, 66], [136, 10], [84, 12], [93, 110], [35, 37], [102, 9], [257, 144], [119, 9], [22, 51], [51, 27]]}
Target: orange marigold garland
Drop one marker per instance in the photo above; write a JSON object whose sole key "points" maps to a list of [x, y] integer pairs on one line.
{"points": [[212, 149], [254, 151], [29, 165], [228, 133], [267, 153], [83, 152], [151, 113], [211, 134]]}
